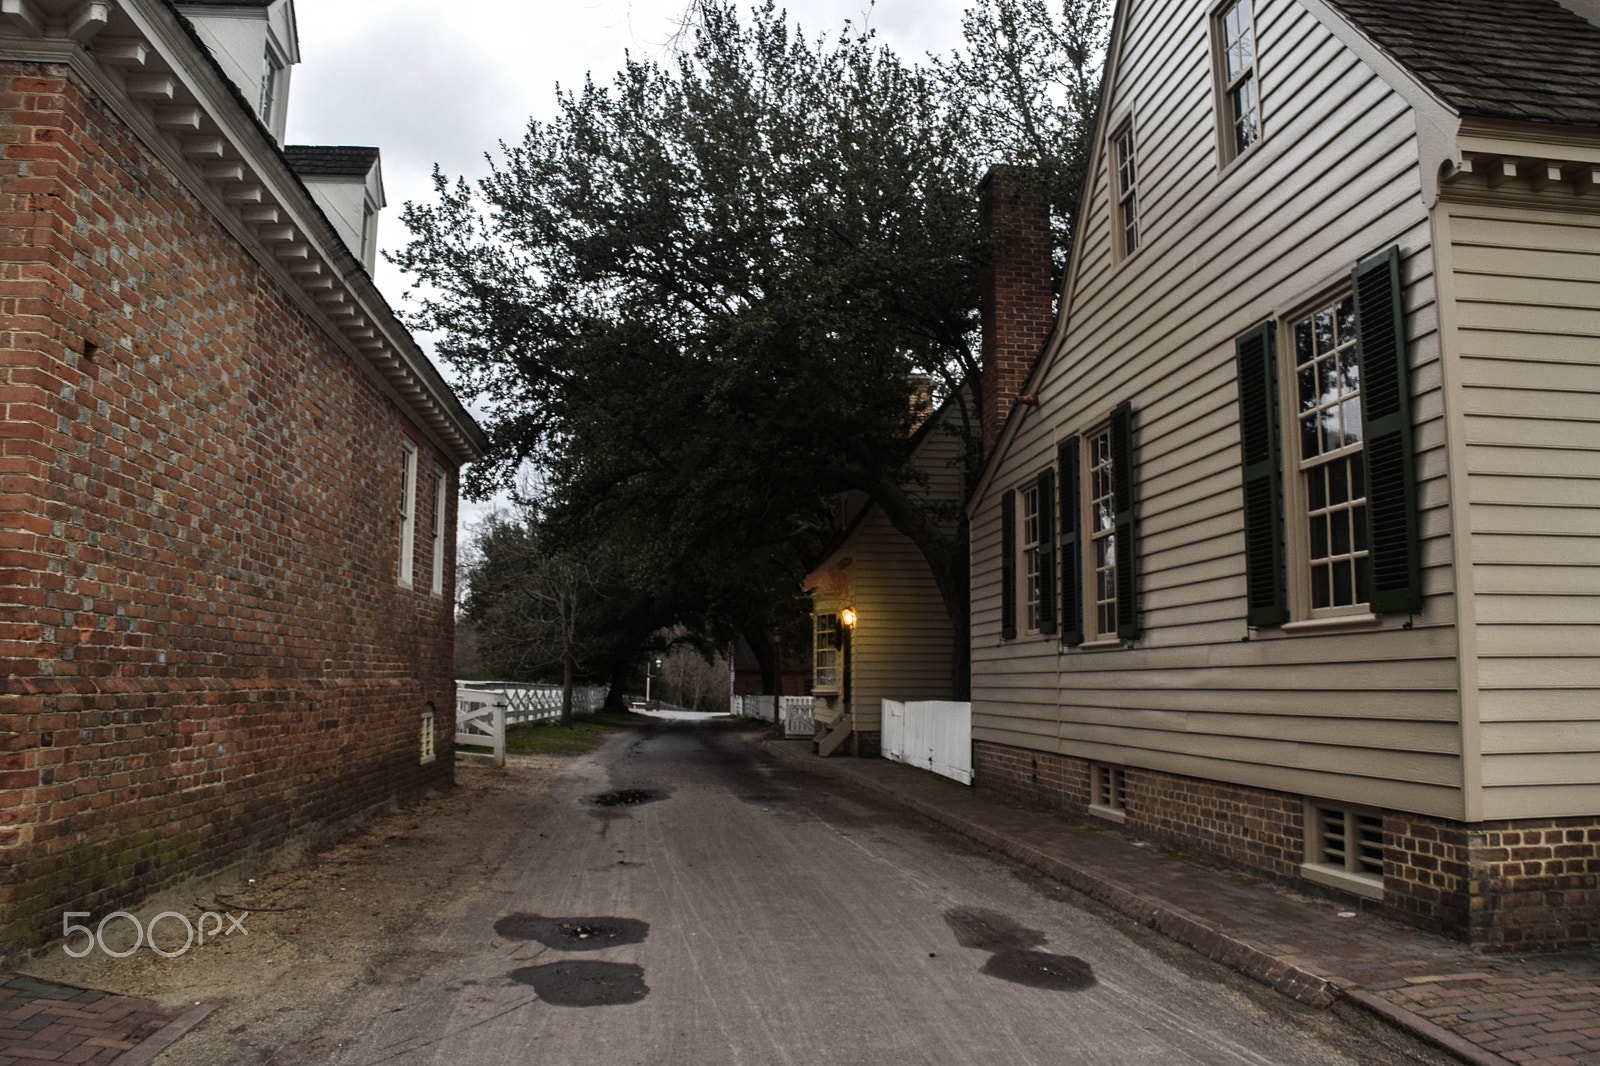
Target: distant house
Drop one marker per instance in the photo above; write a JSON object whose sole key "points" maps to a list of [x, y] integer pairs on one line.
{"points": [[1319, 422], [229, 473]]}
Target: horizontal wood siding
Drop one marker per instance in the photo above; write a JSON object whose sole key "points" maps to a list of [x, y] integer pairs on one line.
{"points": [[1527, 313], [1367, 715]]}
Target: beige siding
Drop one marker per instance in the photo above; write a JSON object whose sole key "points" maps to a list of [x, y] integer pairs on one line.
{"points": [[901, 647], [1526, 287], [1369, 715]]}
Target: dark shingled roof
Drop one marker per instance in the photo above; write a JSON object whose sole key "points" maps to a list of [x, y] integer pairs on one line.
{"points": [[1528, 60], [346, 160], [225, 3]]}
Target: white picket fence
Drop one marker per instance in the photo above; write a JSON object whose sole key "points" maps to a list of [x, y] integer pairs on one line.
{"points": [[485, 708], [533, 703], [761, 707], [797, 716], [933, 734]]}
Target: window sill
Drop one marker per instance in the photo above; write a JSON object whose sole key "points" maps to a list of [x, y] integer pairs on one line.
{"points": [[1110, 814], [1365, 886], [1338, 621], [1101, 645]]}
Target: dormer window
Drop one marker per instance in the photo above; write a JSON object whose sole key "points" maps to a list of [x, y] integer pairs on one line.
{"points": [[1238, 89], [270, 68]]}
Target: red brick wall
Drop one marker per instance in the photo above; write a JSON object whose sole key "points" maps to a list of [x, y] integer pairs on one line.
{"points": [[1503, 886], [1018, 305], [206, 650]]}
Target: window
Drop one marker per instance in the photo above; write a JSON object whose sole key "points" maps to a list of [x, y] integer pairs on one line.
{"points": [[825, 652], [1344, 847], [1108, 791], [1127, 190], [1038, 548], [1098, 533], [440, 490], [1330, 507], [427, 735], [1238, 94], [408, 510], [269, 85], [1332, 490]]}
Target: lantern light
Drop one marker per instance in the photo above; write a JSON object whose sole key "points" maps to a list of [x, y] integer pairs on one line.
{"points": [[848, 617]]}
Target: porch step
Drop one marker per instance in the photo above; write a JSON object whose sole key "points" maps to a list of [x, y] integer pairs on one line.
{"points": [[841, 730]]}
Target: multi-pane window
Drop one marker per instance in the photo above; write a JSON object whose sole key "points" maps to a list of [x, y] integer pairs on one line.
{"points": [[269, 86], [1102, 532], [1127, 189], [825, 651], [408, 511], [427, 735], [1237, 87], [440, 487], [1332, 463], [1031, 585]]}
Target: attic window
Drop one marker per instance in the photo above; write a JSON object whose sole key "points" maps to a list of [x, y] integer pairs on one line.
{"points": [[269, 85], [1238, 88], [1127, 189]]}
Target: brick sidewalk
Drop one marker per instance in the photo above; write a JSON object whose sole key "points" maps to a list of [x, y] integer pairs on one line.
{"points": [[1489, 1010], [41, 1022]]}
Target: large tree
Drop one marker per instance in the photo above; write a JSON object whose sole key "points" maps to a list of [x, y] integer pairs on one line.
{"points": [[698, 296]]}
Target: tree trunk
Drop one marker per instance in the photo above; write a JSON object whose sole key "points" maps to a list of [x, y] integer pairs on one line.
{"points": [[566, 689], [619, 686], [766, 651]]}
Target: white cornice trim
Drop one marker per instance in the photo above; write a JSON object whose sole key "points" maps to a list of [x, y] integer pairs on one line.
{"points": [[367, 331]]}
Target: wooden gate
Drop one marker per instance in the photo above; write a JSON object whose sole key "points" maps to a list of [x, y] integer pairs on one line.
{"points": [[933, 734]]}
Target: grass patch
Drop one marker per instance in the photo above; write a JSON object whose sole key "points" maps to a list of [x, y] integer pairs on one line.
{"points": [[587, 732]]}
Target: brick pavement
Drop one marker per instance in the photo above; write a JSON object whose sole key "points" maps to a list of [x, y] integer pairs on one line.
{"points": [[43, 1022], [1490, 1010]]}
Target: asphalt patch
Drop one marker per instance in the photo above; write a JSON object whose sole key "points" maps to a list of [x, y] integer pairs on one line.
{"points": [[627, 797], [988, 930], [584, 983], [1040, 969], [573, 934]]}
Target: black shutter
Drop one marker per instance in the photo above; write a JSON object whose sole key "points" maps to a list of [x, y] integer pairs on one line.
{"points": [[1008, 564], [1123, 479], [1070, 555], [1266, 589], [1386, 425], [1047, 551]]}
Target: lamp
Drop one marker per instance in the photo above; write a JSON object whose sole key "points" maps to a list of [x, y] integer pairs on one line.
{"points": [[848, 617]]}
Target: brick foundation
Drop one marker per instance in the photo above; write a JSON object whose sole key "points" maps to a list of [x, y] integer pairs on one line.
{"points": [[205, 645], [1503, 886]]}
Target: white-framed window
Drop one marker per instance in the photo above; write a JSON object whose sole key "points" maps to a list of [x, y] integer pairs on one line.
{"points": [[1100, 475], [408, 511], [1126, 189], [1330, 552], [440, 491], [1344, 847], [427, 735], [1108, 791], [1238, 84], [825, 652], [1032, 585], [270, 69]]}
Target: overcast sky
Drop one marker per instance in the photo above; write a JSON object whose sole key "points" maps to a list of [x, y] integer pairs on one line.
{"points": [[430, 82]]}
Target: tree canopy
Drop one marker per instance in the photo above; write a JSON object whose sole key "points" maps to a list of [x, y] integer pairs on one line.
{"points": [[697, 299]]}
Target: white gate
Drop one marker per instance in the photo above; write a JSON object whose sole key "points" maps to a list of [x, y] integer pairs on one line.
{"points": [[481, 721], [797, 717], [762, 707], [933, 734]]}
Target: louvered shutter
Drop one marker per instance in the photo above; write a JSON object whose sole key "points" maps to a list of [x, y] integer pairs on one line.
{"points": [[1260, 452], [1008, 564], [1070, 556], [1124, 476], [1047, 551], [1386, 425]]}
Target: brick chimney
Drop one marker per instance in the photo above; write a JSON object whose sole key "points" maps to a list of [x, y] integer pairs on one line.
{"points": [[1018, 308]]}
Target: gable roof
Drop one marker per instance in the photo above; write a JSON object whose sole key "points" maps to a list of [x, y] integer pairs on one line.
{"points": [[1524, 60], [342, 160]]}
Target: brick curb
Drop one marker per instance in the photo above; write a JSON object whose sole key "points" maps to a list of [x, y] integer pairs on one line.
{"points": [[1419, 1026], [165, 1037], [1171, 921]]}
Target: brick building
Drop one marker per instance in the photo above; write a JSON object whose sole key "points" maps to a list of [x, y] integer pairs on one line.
{"points": [[227, 472]]}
